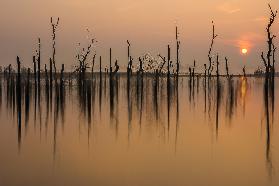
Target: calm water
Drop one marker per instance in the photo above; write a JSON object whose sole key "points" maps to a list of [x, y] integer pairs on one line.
{"points": [[177, 135]]}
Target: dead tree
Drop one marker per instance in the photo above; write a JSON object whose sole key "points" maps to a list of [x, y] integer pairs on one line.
{"points": [[55, 72], [110, 58], [140, 66], [54, 25], [164, 62], [177, 52], [193, 73], [244, 71], [62, 82], [18, 66], [62, 74], [50, 71], [273, 59], [116, 68], [210, 68], [217, 65], [227, 67], [35, 67], [82, 57], [169, 61], [9, 71], [39, 60], [46, 79], [271, 48], [93, 64], [130, 65], [100, 68], [205, 69], [130, 60], [18, 100], [269, 64], [46, 76], [129, 46]]}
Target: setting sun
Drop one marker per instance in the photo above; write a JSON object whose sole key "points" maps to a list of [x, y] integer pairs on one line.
{"points": [[244, 51]]}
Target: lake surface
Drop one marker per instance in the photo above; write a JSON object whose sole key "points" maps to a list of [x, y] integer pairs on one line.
{"points": [[181, 134]]}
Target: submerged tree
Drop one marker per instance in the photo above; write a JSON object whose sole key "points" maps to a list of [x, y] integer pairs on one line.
{"points": [[210, 68], [130, 60], [37, 63], [93, 64], [177, 51], [269, 63], [267, 60], [227, 67], [82, 57], [54, 25]]}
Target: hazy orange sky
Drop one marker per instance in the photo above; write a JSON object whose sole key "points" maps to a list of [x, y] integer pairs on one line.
{"points": [[148, 24]]}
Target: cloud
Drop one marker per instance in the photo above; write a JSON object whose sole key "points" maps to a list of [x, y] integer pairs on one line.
{"points": [[260, 19], [228, 8], [247, 40]]}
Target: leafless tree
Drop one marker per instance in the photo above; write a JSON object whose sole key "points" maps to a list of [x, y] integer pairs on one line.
{"points": [[210, 68], [54, 25], [177, 51], [93, 64], [269, 66], [227, 67], [82, 57]]}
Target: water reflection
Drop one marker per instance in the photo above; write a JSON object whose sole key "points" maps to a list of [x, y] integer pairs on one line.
{"points": [[137, 107], [269, 112]]}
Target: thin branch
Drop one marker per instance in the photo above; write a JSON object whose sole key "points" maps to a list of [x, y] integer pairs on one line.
{"points": [[211, 48]]}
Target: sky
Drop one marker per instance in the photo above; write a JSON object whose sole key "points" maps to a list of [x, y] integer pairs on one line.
{"points": [[148, 24]]}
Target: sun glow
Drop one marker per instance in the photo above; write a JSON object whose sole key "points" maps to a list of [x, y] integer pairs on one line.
{"points": [[244, 51]]}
